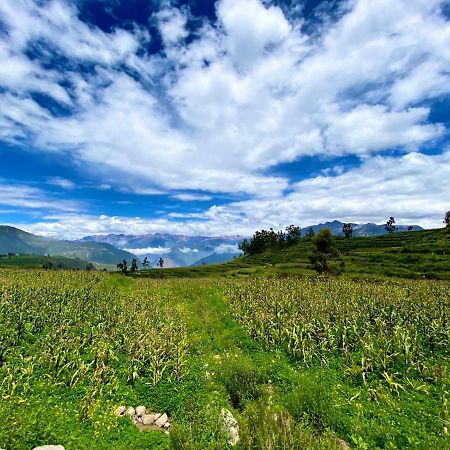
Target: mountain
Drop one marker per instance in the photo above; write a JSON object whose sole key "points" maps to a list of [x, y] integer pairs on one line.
{"points": [[366, 229], [180, 250], [13, 240], [176, 250], [215, 258]]}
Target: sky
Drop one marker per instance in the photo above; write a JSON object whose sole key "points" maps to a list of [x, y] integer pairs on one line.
{"points": [[219, 118]]}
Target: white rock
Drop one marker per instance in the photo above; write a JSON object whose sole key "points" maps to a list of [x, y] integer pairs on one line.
{"points": [[140, 411], [49, 447], [167, 425], [229, 426], [149, 419], [130, 411], [120, 411], [162, 420]]}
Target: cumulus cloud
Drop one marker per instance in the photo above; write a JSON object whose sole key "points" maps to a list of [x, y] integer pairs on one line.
{"points": [[217, 112], [411, 188], [149, 251]]}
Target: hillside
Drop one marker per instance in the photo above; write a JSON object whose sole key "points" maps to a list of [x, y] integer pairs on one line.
{"points": [[415, 254], [38, 261], [13, 240]]}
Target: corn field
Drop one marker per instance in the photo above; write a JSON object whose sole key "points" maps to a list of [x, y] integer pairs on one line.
{"points": [[72, 330], [381, 329]]}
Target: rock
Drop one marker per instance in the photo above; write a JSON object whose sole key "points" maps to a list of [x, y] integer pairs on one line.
{"points": [[49, 447], [120, 411], [167, 425], [130, 411], [162, 420], [343, 445], [149, 419], [141, 411], [229, 426]]}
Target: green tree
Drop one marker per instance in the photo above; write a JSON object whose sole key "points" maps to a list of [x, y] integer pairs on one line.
{"points": [[293, 234], [390, 225], [447, 220], [123, 266], [347, 229], [310, 234], [161, 263], [325, 256], [134, 266]]}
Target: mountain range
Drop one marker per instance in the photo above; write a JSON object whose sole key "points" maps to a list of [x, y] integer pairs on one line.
{"points": [[13, 240], [364, 229], [176, 250]]}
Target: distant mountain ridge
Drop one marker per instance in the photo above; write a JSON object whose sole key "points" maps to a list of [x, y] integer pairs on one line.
{"points": [[176, 250], [180, 250], [14, 240], [365, 229]]}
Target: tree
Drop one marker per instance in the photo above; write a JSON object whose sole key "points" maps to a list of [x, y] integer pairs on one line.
{"points": [[123, 266], [310, 234], [447, 219], [410, 227], [293, 234], [90, 267], [145, 262], [325, 255], [347, 229], [161, 263], [134, 266], [390, 225]]}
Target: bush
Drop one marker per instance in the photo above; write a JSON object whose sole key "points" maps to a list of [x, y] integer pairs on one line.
{"points": [[242, 380], [311, 402]]}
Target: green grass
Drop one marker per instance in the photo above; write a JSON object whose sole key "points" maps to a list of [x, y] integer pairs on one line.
{"points": [[37, 261], [418, 254]]}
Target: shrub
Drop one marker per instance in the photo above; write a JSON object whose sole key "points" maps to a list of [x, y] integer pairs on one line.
{"points": [[311, 402], [242, 380]]}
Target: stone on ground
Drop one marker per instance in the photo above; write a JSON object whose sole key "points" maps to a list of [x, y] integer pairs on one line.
{"points": [[120, 411], [230, 426], [49, 447], [140, 411], [162, 420]]}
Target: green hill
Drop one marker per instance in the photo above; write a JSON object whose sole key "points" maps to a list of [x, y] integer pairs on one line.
{"points": [[415, 254], [13, 240], [38, 261]]}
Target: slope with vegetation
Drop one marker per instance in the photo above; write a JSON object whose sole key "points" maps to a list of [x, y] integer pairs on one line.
{"points": [[13, 240], [41, 261], [413, 254]]}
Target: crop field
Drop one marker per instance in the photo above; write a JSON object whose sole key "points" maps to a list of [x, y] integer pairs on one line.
{"points": [[319, 363]]}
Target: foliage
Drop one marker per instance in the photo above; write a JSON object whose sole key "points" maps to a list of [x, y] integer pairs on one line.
{"points": [[447, 219], [325, 252], [390, 225], [308, 363], [269, 239], [347, 229]]}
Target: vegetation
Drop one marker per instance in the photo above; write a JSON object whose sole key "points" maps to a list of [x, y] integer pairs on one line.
{"points": [[301, 362], [347, 229], [324, 252], [269, 239], [390, 225], [41, 261], [417, 254]]}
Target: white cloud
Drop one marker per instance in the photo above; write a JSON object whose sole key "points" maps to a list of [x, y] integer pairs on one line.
{"points": [[192, 197], [30, 198], [172, 25], [412, 188], [61, 182], [248, 93], [149, 251], [188, 250], [226, 248]]}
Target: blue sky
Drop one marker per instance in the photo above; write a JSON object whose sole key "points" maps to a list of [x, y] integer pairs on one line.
{"points": [[213, 118]]}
